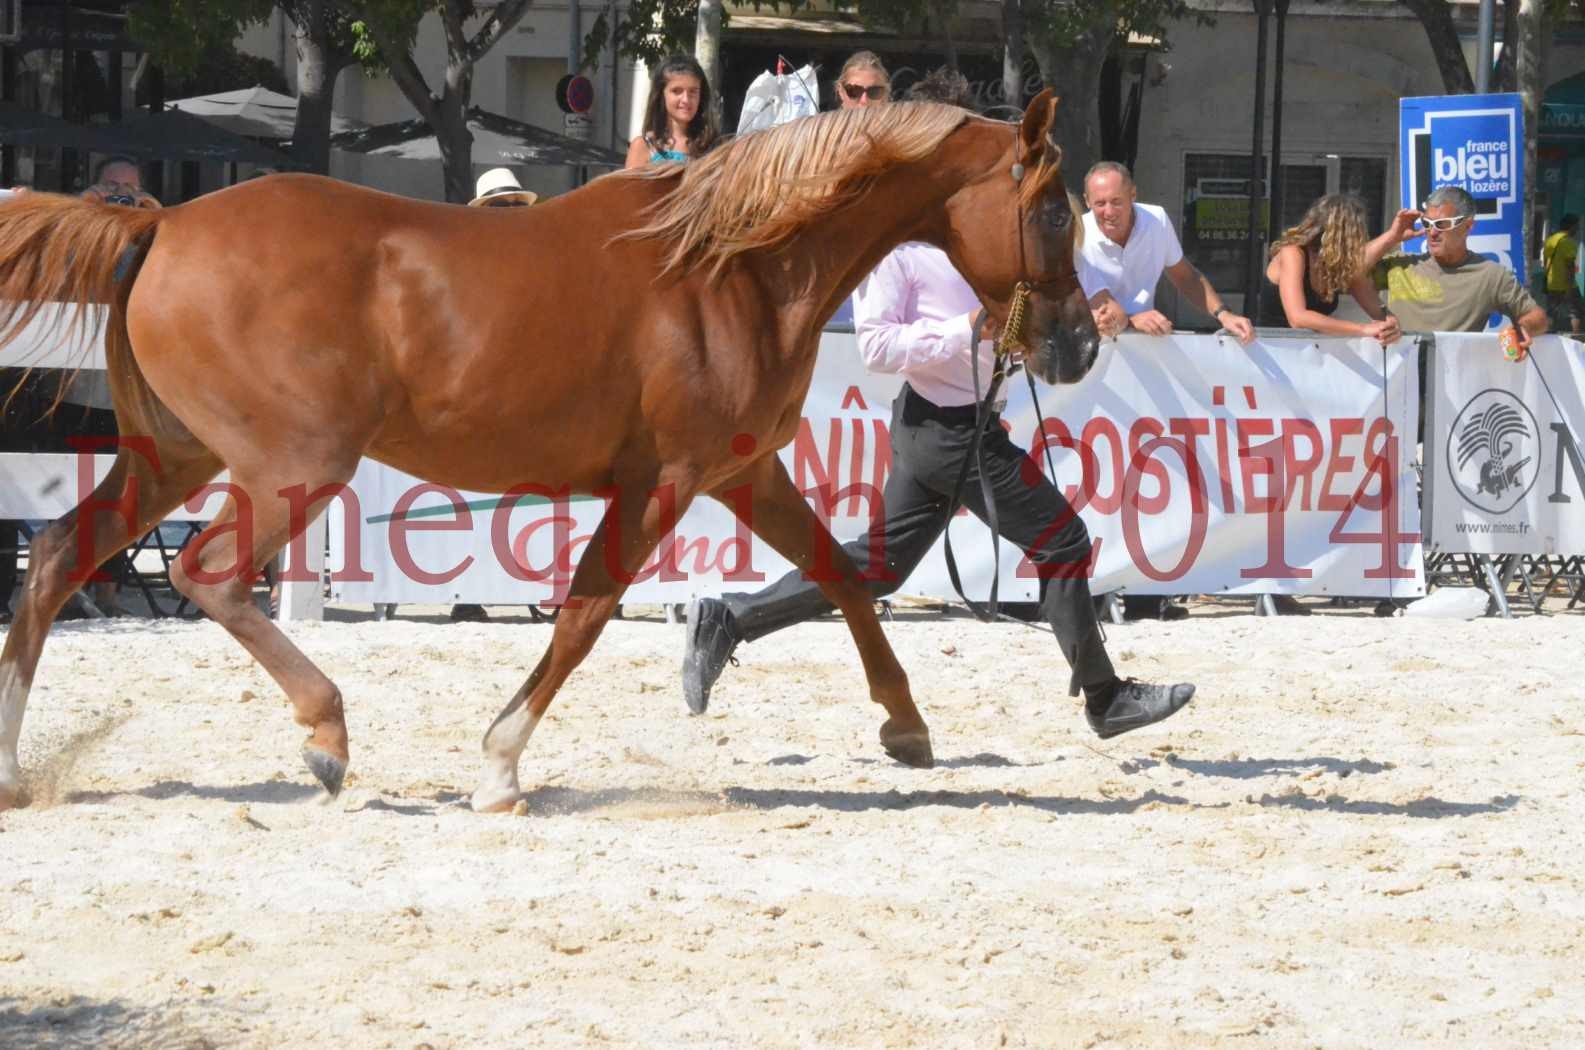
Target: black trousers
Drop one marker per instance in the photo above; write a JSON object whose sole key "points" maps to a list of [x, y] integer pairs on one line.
{"points": [[929, 445]]}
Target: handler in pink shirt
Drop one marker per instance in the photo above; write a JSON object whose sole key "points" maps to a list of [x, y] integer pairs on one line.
{"points": [[915, 317]]}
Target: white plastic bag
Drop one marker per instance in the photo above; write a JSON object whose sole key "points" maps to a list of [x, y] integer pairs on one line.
{"points": [[777, 98]]}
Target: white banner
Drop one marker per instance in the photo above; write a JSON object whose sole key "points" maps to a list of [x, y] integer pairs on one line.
{"points": [[1199, 466], [1504, 468]]}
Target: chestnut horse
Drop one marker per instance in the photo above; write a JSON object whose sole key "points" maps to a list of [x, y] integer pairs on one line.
{"points": [[653, 332]]}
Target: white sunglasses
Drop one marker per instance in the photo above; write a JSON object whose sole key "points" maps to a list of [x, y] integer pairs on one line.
{"points": [[1448, 223]]}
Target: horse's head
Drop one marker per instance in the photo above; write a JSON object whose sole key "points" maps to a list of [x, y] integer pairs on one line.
{"points": [[1018, 225]]}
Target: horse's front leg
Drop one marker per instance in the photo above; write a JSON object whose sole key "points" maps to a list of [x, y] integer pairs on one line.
{"points": [[778, 514], [643, 509]]}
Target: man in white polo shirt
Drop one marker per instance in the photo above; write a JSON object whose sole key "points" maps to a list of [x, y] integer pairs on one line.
{"points": [[1127, 247]]}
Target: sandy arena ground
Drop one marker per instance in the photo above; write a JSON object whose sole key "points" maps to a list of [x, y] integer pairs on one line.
{"points": [[1363, 833]]}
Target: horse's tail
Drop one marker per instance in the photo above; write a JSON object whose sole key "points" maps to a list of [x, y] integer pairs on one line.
{"points": [[63, 254]]}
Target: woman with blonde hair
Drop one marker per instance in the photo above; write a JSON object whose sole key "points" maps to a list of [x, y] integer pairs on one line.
{"points": [[863, 80], [1314, 263]]}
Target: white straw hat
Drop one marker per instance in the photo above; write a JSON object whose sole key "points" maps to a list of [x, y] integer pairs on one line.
{"points": [[497, 183]]}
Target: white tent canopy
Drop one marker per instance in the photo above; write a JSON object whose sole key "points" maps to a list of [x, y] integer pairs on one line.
{"points": [[256, 112]]}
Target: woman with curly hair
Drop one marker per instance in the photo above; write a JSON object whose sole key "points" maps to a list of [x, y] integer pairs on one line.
{"points": [[1315, 262], [679, 118]]}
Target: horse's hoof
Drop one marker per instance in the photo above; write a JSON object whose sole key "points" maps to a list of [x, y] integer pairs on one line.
{"points": [[329, 769], [495, 801], [498, 791], [911, 747], [10, 796]]}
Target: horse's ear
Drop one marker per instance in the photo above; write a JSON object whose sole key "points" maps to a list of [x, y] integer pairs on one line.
{"points": [[1037, 120]]}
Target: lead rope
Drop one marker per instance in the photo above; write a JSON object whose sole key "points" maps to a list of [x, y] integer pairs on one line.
{"points": [[1010, 338]]}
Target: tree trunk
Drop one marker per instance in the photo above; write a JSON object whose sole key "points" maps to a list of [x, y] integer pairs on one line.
{"points": [[451, 131], [1013, 53], [1436, 16], [944, 10], [1073, 71], [707, 49], [1507, 65], [318, 65], [1531, 84], [447, 113]]}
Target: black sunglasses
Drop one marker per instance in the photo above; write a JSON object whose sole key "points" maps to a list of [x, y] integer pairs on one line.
{"points": [[507, 204], [876, 92]]}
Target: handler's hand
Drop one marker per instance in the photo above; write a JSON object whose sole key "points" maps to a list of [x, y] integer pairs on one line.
{"points": [[1239, 327], [991, 329], [1151, 322]]}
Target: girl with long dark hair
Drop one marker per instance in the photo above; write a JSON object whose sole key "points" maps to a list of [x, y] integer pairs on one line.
{"points": [[679, 119]]}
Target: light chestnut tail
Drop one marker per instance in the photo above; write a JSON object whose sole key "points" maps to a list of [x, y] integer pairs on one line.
{"points": [[61, 250]]}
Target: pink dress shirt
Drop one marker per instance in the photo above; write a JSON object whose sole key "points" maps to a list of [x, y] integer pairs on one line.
{"points": [[912, 318]]}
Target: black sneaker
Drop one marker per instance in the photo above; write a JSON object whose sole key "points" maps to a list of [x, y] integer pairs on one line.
{"points": [[712, 635], [1135, 705]]}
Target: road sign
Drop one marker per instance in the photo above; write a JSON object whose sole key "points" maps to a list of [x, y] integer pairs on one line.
{"points": [[575, 94]]}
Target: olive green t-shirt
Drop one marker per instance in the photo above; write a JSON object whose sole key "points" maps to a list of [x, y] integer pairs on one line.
{"points": [[1426, 296]]}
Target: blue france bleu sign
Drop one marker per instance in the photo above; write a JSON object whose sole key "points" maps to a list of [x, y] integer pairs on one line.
{"points": [[1475, 142]]}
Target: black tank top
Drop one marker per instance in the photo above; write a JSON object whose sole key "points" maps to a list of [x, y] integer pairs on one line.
{"points": [[1271, 313]]}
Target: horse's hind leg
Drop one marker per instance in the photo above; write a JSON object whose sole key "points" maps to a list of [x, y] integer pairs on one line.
{"points": [[217, 571], [633, 525], [779, 515], [132, 498]]}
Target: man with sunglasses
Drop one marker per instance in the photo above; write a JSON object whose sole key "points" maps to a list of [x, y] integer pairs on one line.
{"points": [[1450, 288]]}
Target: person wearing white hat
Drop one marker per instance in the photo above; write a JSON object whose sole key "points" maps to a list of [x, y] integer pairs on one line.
{"points": [[499, 188], [496, 188]]}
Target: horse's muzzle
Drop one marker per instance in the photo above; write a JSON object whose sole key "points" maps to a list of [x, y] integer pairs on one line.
{"points": [[1065, 355]]}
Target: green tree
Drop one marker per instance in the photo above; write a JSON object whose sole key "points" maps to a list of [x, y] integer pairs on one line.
{"points": [[184, 36], [389, 30], [1071, 41], [1436, 17], [650, 30]]}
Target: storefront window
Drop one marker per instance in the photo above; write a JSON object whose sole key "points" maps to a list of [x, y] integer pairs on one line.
{"points": [[1216, 205]]}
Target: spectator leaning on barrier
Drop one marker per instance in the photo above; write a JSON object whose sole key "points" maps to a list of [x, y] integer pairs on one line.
{"points": [[1560, 257], [915, 317], [863, 80], [679, 120], [1127, 248], [1449, 288], [1312, 264]]}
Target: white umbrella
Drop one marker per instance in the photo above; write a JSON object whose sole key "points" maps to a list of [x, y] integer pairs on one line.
{"points": [[495, 139], [256, 112]]}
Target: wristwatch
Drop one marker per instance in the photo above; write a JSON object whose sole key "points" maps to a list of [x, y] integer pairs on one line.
{"points": [[1220, 310]]}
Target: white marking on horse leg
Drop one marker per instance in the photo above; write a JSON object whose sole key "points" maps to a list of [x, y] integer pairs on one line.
{"points": [[13, 701], [503, 745]]}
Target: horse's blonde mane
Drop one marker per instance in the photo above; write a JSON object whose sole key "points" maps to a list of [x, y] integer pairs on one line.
{"points": [[759, 190]]}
